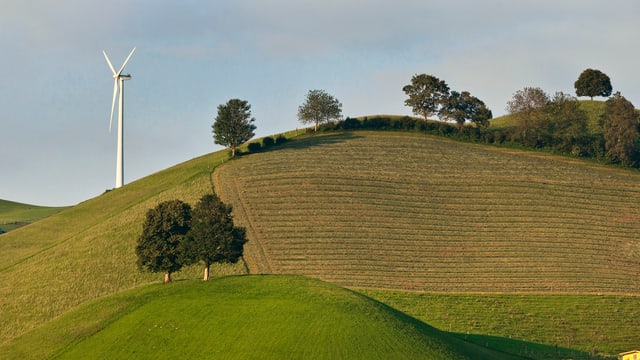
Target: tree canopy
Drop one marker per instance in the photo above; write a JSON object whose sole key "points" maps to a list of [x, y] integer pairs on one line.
{"points": [[620, 129], [319, 107], [158, 247], [462, 107], [524, 106], [233, 125], [426, 94], [213, 236], [593, 83]]}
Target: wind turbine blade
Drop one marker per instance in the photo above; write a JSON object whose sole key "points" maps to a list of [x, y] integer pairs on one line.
{"points": [[109, 62], [126, 61], [113, 102]]}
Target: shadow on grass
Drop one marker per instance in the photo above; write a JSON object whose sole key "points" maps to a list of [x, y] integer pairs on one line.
{"points": [[527, 349], [496, 347], [305, 141]]}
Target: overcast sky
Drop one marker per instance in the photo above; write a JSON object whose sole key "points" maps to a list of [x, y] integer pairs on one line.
{"points": [[55, 94]]}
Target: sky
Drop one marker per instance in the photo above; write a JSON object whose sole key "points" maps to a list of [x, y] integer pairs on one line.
{"points": [[56, 89]]}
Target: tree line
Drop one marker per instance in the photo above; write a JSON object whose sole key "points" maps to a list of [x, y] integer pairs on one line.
{"points": [[541, 121], [175, 235]]}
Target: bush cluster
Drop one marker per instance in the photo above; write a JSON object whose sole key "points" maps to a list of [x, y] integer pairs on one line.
{"points": [[586, 145], [267, 142]]}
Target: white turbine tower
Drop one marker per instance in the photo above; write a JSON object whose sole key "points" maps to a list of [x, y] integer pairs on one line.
{"points": [[118, 87]]}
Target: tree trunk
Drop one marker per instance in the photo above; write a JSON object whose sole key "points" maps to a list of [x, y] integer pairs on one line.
{"points": [[315, 129], [167, 277], [206, 272], [233, 151]]}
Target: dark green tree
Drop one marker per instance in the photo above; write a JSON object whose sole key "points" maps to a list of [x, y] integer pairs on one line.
{"points": [[426, 94], [620, 129], [213, 237], [233, 125], [593, 83], [164, 229], [319, 107], [462, 107], [524, 106], [566, 124]]}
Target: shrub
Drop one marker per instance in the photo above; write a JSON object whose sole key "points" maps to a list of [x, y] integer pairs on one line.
{"points": [[281, 139], [254, 147], [268, 141], [350, 123]]}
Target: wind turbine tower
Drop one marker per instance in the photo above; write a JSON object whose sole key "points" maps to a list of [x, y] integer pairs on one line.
{"points": [[118, 89]]}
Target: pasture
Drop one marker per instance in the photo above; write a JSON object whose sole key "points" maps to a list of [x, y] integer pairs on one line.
{"points": [[241, 317], [87, 251], [14, 215]]}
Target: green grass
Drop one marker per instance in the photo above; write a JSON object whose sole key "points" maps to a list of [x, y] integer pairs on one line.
{"points": [[87, 251], [14, 215], [259, 317], [596, 324]]}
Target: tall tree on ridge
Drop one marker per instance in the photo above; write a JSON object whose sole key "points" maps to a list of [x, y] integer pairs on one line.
{"points": [[233, 125], [426, 94], [593, 83], [319, 107], [463, 107]]}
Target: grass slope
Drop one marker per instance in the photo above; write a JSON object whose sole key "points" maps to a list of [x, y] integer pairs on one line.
{"points": [[553, 326], [14, 215], [87, 251], [258, 317], [413, 212]]}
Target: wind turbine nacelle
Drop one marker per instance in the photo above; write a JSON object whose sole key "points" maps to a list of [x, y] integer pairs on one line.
{"points": [[125, 77]]}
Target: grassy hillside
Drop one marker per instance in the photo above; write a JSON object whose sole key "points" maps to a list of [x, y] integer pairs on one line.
{"points": [[14, 215], [259, 317], [413, 212], [369, 210], [87, 251], [594, 324]]}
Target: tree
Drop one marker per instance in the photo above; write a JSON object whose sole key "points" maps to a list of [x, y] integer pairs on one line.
{"points": [[463, 107], [620, 128], [163, 231], [593, 83], [319, 107], [234, 124], [566, 123], [213, 236], [524, 106], [426, 94]]}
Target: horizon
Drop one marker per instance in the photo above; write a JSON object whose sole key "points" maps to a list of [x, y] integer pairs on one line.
{"points": [[191, 58]]}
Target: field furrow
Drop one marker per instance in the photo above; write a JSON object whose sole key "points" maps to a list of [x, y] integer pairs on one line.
{"points": [[410, 212]]}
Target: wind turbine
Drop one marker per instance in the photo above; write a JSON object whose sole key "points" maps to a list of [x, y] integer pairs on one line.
{"points": [[118, 84]]}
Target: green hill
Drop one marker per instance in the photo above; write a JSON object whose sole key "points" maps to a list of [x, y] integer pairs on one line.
{"points": [[247, 317], [14, 215], [357, 209], [87, 251]]}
